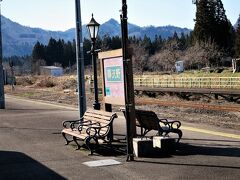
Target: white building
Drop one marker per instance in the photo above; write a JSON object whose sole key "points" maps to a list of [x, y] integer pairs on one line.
{"points": [[51, 70], [236, 65], [179, 66]]}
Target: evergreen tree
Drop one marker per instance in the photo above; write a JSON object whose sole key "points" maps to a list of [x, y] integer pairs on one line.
{"points": [[87, 56], [38, 51], [175, 36], [38, 56], [106, 43], [212, 24], [157, 44], [237, 42], [237, 23], [69, 54], [51, 52], [116, 42], [147, 44], [182, 42], [60, 53], [201, 29]]}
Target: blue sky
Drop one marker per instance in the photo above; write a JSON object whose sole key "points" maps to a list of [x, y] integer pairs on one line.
{"points": [[60, 14]]}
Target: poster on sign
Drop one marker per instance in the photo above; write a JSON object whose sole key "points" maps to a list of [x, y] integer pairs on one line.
{"points": [[113, 77], [113, 71]]}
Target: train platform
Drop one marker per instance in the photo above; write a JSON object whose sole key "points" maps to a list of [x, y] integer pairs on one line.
{"points": [[31, 147]]}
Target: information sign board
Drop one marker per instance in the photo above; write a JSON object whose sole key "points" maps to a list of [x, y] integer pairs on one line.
{"points": [[113, 78]]}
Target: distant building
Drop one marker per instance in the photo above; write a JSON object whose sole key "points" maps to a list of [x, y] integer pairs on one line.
{"points": [[179, 66], [236, 65], [51, 70]]}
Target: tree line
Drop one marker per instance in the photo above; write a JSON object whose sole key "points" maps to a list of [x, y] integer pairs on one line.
{"points": [[61, 53], [212, 41]]}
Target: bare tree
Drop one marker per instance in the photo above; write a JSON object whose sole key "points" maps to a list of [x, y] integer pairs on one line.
{"points": [[165, 59], [204, 54], [140, 58]]}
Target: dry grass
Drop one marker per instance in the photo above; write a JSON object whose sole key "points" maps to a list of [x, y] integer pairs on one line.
{"points": [[52, 89], [63, 82]]}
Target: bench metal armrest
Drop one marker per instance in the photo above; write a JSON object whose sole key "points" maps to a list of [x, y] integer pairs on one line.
{"points": [[172, 124], [70, 123], [73, 123], [86, 124], [92, 131], [97, 128]]}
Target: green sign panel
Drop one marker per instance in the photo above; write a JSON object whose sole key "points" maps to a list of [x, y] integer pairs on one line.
{"points": [[114, 74]]}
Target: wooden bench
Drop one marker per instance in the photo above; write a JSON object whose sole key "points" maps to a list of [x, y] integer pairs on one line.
{"points": [[148, 121], [94, 125]]}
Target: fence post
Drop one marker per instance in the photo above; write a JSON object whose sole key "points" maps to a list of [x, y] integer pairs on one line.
{"points": [[231, 82], [210, 82]]}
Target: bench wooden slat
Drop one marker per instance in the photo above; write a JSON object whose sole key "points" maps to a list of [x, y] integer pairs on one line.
{"points": [[75, 133], [95, 120], [97, 116]]}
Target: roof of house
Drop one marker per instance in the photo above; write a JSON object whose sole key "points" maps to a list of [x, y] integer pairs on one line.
{"points": [[51, 67]]}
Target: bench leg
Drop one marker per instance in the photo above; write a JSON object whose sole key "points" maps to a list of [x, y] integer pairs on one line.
{"points": [[88, 143], [110, 134], [179, 132], [67, 141], [78, 145]]}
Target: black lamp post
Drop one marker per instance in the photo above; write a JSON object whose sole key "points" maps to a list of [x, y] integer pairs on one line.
{"points": [[93, 28]]}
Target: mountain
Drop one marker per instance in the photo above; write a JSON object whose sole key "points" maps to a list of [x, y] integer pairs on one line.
{"points": [[112, 28], [19, 40]]}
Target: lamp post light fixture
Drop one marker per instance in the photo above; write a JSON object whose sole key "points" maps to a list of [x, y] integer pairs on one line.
{"points": [[93, 28], [2, 99]]}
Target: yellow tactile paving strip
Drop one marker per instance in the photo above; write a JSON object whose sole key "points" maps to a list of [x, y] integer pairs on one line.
{"points": [[228, 135]]}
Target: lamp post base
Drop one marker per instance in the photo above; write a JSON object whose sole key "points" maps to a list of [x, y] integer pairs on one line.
{"points": [[96, 106]]}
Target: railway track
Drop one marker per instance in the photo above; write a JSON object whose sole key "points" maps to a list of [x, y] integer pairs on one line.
{"points": [[229, 108]]}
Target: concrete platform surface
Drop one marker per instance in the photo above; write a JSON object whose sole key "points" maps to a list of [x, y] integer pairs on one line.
{"points": [[31, 147]]}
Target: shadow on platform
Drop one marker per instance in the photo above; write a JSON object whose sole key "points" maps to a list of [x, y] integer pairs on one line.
{"points": [[16, 165], [208, 150]]}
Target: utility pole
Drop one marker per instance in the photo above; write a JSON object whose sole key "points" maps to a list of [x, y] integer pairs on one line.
{"points": [[80, 61], [2, 98], [128, 86]]}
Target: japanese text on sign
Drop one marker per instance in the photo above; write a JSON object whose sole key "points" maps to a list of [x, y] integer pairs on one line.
{"points": [[114, 74]]}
